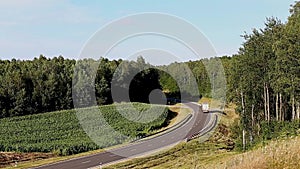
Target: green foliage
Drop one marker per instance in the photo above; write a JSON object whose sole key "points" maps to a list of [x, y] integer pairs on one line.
{"points": [[41, 85], [276, 129], [183, 75], [61, 133], [268, 131], [158, 115]]}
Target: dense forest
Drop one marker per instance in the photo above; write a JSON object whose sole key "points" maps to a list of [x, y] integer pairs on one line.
{"points": [[263, 79], [44, 85], [40, 85]]}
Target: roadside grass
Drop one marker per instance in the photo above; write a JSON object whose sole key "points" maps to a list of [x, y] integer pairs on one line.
{"points": [[230, 115], [213, 104], [183, 155], [182, 113], [283, 153]]}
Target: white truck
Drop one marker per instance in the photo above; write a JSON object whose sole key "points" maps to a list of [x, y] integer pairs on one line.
{"points": [[205, 107]]}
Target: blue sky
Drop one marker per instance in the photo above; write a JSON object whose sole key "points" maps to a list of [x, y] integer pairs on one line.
{"points": [[29, 28]]}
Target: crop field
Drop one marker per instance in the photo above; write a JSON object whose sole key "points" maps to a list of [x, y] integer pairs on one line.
{"points": [[62, 133]]}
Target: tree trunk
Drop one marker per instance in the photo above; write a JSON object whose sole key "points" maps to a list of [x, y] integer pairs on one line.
{"points": [[268, 102], [244, 140], [252, 116], [252, 123], [243, 104], [277, 118], [265, 102], [293, 107], [243, 114], [280, 108], [297, 110]]}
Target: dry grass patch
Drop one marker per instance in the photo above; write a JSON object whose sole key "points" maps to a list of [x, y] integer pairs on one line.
{"points": [[13, 158], [182, 112], [213, 104], [277, 154]]}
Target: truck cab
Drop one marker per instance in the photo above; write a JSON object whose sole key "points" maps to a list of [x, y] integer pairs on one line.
{"points": [[205, 107]]}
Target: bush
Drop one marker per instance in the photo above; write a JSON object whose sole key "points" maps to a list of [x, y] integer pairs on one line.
{"points": [[268, 130]]}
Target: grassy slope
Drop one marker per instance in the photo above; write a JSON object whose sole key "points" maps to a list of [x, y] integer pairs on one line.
{"points": [[284, 153]]}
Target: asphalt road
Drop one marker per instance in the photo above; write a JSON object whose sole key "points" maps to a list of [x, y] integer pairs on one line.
{"points": [[198, 122]]}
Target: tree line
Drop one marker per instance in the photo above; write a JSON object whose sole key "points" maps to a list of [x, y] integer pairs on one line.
{"points": [[40, 85], [48, 84]]}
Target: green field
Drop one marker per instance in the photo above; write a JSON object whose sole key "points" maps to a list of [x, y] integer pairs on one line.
{"points": [[61, 132]]}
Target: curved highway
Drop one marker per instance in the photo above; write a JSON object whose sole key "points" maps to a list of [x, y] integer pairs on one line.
{"points": [[199, 122]]}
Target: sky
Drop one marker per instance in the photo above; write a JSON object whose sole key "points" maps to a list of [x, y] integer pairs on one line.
{"points": [[29, 28]]}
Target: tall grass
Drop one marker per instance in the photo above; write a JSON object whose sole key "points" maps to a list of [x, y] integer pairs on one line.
{"points": [[279, 154]]}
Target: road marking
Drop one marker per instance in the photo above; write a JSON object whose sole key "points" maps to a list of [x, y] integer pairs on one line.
{"points": [[86, 162]]}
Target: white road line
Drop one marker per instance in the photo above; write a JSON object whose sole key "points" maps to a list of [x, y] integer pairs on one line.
{"points": [[86, 162]]}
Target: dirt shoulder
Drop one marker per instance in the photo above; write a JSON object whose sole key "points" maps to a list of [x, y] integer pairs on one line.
{"points": [[12, 158]]}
